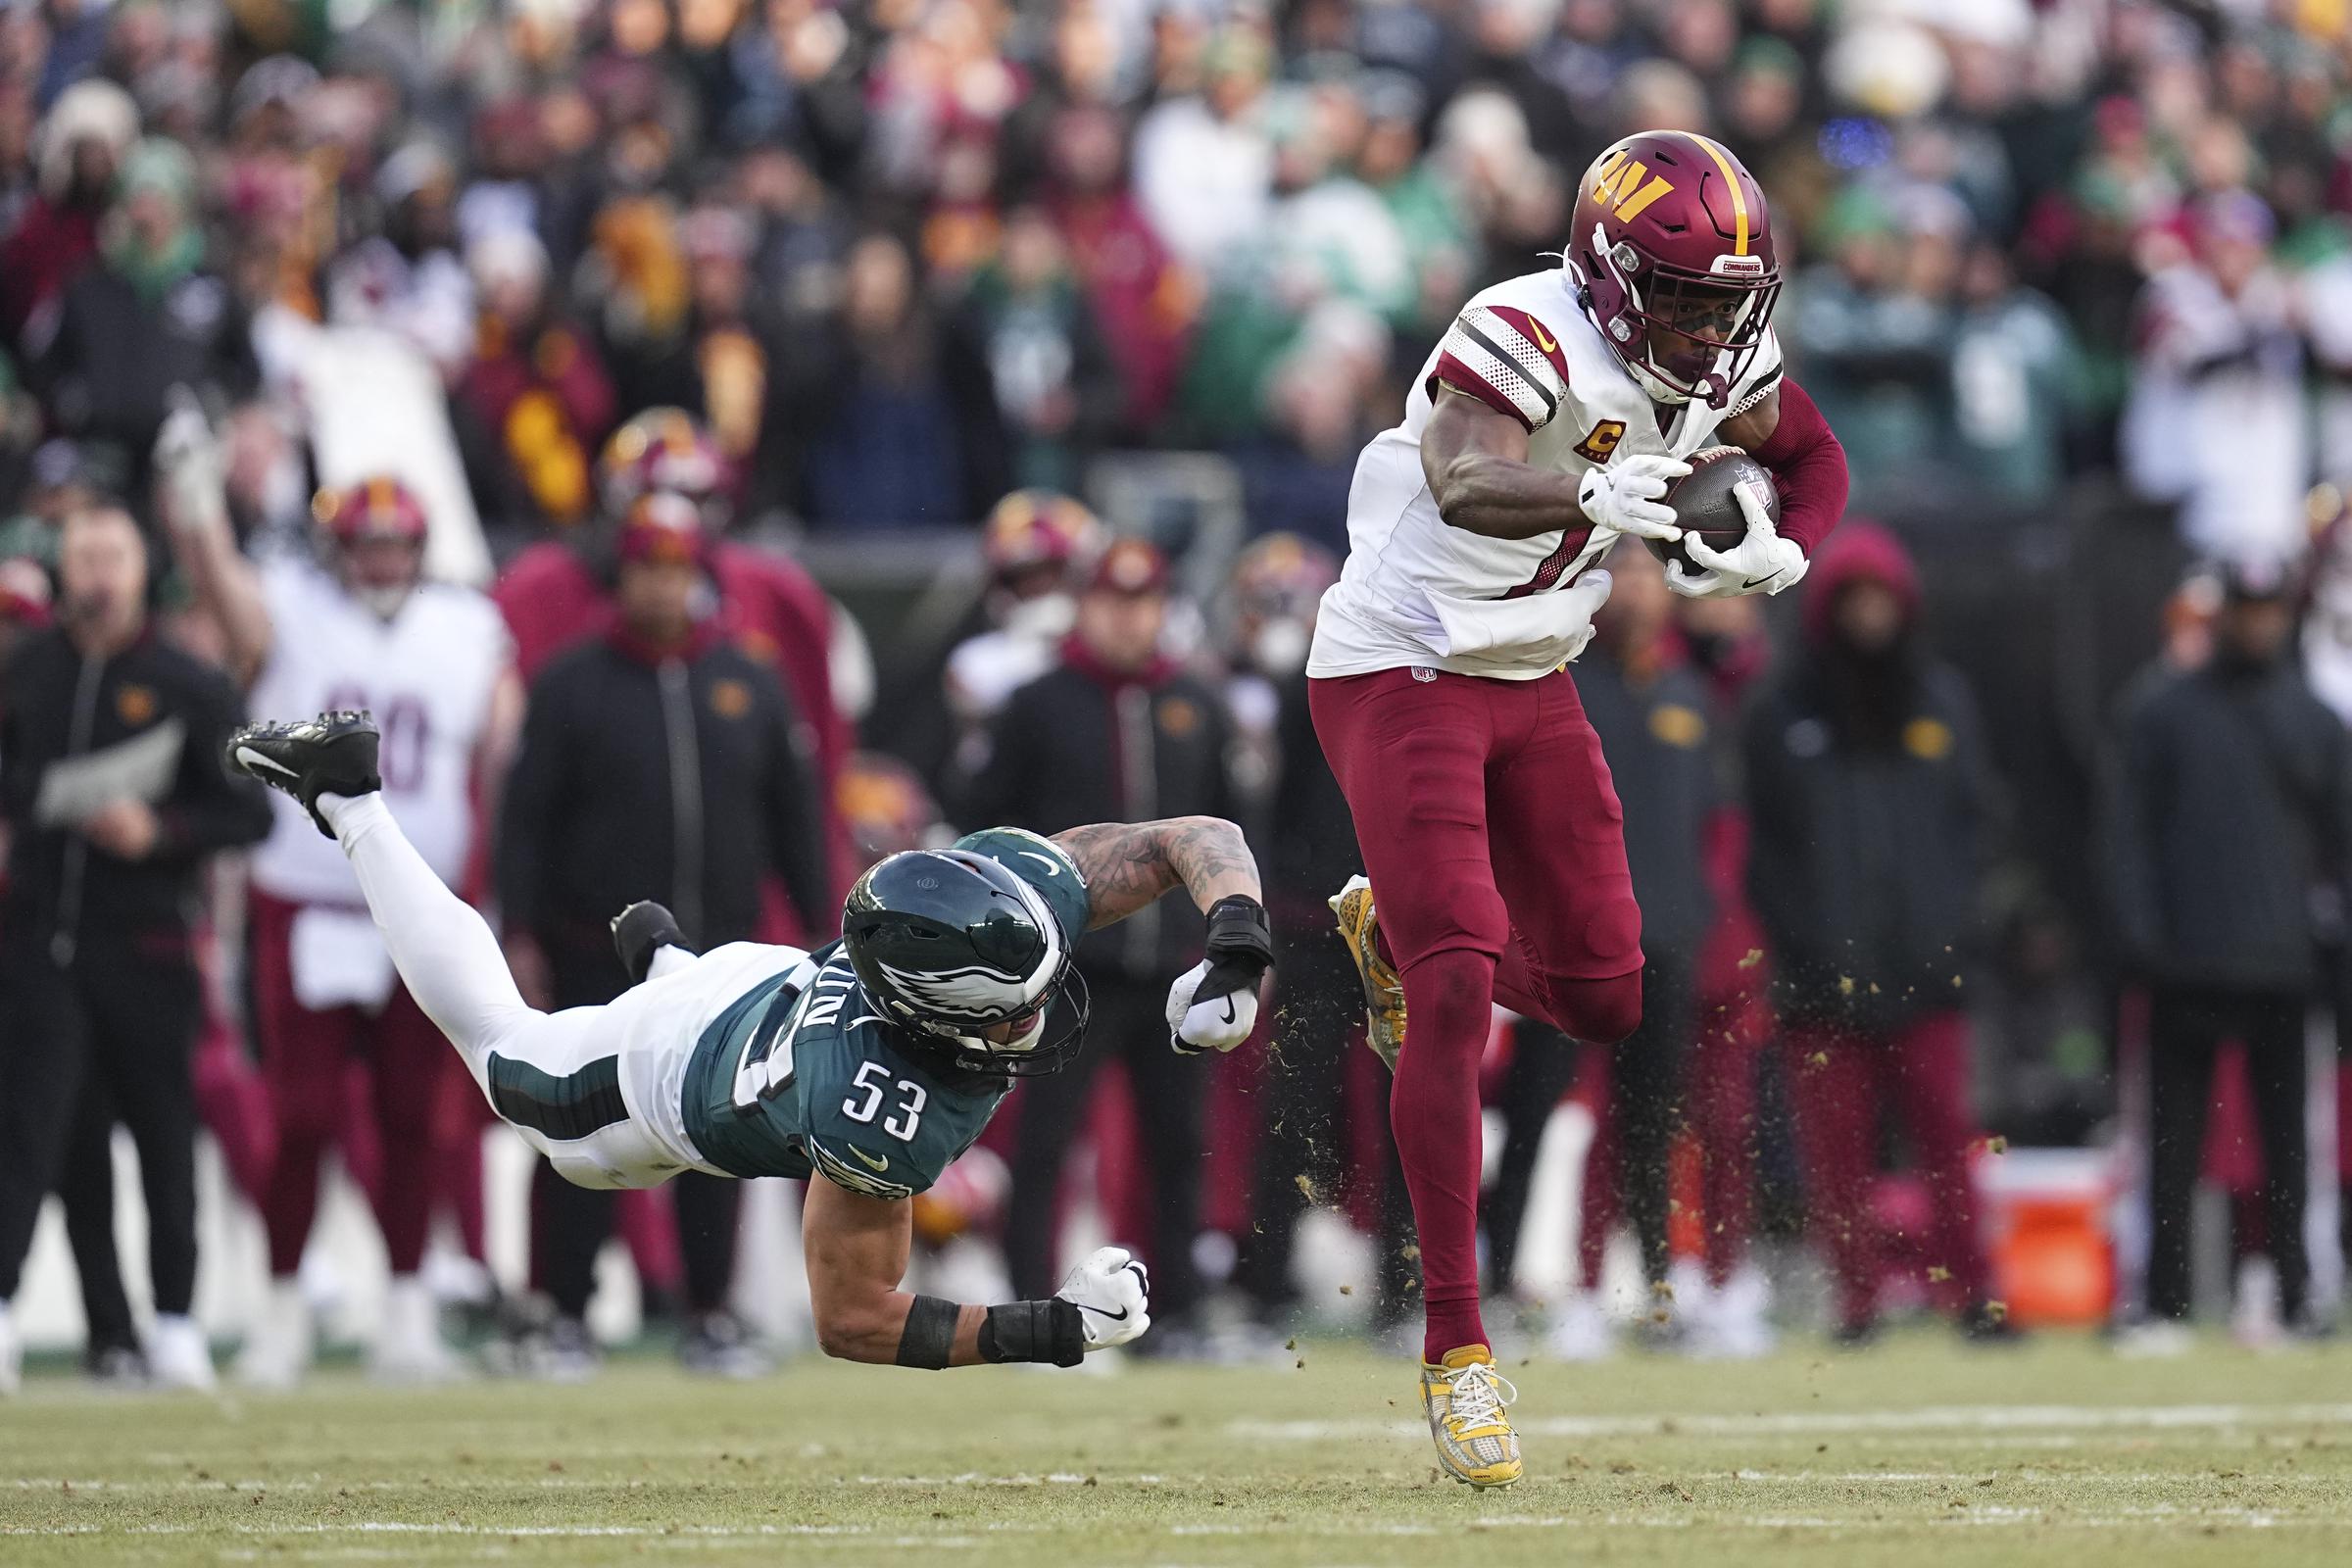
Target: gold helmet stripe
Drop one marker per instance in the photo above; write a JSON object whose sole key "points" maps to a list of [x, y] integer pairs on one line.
{"points": [[1731, 177]]}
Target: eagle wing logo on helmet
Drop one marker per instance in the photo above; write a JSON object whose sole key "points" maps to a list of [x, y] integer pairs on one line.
{"points": [[972, 990]]}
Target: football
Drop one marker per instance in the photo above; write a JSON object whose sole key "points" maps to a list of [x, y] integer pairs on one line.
{"points": [[1706, 501]]}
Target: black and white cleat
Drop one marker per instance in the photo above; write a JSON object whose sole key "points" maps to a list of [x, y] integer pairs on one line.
{"points": [[333, 753]]}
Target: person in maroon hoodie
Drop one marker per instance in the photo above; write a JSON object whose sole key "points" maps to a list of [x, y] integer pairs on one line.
{"points": [[1872, 807], [560, 591], [1117, 732]]}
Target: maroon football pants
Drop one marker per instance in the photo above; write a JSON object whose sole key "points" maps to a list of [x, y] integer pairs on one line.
{"points": [[305, 1060], [1496, 846], [1842, 1081]]}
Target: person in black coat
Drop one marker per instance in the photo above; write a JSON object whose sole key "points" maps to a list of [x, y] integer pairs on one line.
{"points": [[1313, 1068], [657, 763], [1872, 807], [1650, 710], [112, 785], [1117, 733], [2231, 807]]}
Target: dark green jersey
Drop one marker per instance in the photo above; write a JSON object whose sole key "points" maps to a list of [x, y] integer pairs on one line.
{"points": [[799, 1076]]}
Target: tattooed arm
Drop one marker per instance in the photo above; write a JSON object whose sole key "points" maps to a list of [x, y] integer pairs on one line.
{"points": [[1128, 865]]}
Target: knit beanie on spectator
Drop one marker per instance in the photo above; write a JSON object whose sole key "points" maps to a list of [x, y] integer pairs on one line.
{"points": [[160, 167], [88, 111]]}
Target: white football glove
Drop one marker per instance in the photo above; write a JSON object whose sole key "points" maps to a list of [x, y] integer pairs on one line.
{"points": [[191, 466], [1763, 562], [1213, 1005], [1110, 1290], [1624, 496], [1204, 1017]]}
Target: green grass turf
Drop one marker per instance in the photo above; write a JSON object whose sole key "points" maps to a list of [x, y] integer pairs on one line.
{"points": [[1917, 1452]]}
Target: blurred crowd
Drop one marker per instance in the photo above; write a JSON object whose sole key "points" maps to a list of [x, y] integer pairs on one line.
{"points": [[493, 366], [904, 256]]}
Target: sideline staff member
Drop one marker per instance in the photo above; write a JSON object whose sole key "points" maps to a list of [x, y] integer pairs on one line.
{"points": [[113, 789]]}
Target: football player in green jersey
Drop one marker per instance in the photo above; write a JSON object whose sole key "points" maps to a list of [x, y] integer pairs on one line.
{"points": [[872, 1062]]}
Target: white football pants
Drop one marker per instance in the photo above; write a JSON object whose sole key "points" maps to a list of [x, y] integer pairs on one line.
{"points": [[454, 967]]}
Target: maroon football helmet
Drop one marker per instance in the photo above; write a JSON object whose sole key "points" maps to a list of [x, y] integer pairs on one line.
{"points": [[666, 449], [1673, 242], [374, 535]]}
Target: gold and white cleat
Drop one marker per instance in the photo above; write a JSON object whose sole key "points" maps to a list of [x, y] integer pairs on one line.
{"points": [[1465, 1398], [1383, 989]]}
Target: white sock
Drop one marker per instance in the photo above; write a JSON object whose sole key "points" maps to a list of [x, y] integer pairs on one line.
{"points": [[441, 946], [669, 960]]}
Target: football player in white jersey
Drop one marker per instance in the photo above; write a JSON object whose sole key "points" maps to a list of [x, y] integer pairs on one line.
{"points": [[357, 628], [1545, 425], [1036, 544]]}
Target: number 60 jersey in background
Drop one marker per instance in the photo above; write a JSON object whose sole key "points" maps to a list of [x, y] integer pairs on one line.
{"points": [[802, 1077], [428, 674]]}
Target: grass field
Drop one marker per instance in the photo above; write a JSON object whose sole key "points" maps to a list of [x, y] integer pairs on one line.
{"points": [[1918, 1451]]}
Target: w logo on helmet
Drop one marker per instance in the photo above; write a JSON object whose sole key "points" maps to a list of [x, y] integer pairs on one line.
{"points": [[1619, 178]]}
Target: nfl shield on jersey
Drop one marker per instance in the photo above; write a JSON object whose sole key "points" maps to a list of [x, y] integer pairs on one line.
{"points": [[1416, 591]]}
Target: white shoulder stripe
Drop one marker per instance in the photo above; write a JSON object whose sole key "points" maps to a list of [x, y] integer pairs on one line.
{"points": [[1491, 348], [1530, 357]]}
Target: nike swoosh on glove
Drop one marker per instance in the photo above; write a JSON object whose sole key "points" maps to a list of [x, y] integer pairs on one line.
{"points": [[1213, 1005], [1112, 1291], [1625, 495], [1762, 563]]}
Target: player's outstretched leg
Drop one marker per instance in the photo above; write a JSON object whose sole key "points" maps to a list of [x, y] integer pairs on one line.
{"points": [[442, 947]]}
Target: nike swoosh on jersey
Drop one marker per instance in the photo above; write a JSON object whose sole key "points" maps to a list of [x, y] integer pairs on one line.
{"points": [[1542, 341], [1053, 867], [868, 1160], [247, 757]]}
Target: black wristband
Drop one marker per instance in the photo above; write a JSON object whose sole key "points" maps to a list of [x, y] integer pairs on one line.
{"points": [[929, 1337], [1239, 932], [1034, 1331]]}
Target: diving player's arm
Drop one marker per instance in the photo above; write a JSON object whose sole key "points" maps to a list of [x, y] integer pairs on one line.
{"points": [[856, 1248], [1127, 866]]}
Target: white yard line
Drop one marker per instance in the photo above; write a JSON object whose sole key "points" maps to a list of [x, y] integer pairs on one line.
{"points": [[863, 1536], [1933, 1418]]}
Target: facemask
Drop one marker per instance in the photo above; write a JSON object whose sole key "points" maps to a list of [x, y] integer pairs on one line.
{"points": [[1046, 617], [1280, 647], [382, 603]]}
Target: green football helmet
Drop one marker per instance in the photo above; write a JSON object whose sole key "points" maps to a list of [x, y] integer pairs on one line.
{"points": [[947, 943]]}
